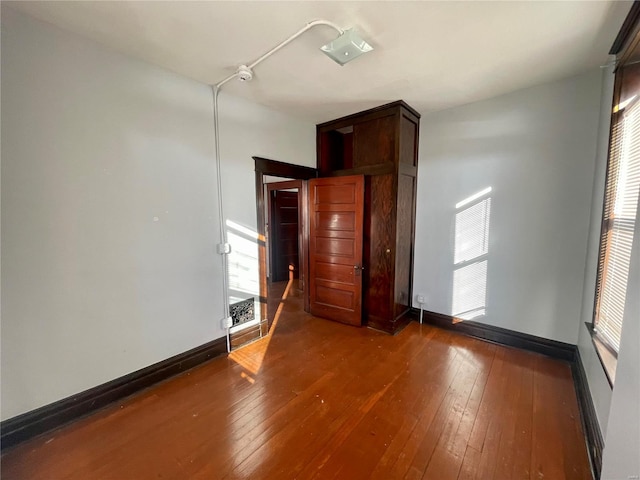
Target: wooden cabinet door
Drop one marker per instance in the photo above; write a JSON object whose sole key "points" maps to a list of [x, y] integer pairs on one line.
{"points": [[374, 142], [336, 208]]}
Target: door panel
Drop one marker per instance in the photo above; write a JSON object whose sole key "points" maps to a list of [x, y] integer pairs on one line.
{"points": [[334, 297], [374, 141], [404, 244], [381, 245], [334, 273], [341, 221], [335, 247], [334, 194]]}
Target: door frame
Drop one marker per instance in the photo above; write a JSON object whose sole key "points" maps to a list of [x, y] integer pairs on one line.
{"points": [[290, 184], [274, 168]]}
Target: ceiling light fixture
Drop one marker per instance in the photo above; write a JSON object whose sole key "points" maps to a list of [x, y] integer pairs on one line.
{"points": [[346, 47]]}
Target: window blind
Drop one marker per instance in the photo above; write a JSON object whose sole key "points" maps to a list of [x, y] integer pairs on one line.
{"points": [[619, 217]]}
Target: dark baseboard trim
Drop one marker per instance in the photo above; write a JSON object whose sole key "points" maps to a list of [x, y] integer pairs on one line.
{"points": [[590, 425], [28, 425], [503, 336], [551, 348]]}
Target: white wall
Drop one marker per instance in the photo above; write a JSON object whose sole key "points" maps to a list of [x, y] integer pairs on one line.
{"points": [[247, 130], [621, 459], [109, 214], [596, 378], [536, 149]]}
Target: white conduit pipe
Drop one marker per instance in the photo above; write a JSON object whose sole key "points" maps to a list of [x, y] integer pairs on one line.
{"points": [[308, 26], [215, 90], [223, 229]]}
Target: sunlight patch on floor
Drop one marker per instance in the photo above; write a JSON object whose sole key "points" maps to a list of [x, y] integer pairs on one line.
{"points": [[250, 357]]}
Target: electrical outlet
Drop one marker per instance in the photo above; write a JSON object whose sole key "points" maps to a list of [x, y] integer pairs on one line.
{"points": [[420, 299]]}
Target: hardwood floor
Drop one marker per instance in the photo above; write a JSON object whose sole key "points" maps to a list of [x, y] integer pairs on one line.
{"points": [[319, 400]]}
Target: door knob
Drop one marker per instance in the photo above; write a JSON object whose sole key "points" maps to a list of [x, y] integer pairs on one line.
{"points": [[358, 269]]}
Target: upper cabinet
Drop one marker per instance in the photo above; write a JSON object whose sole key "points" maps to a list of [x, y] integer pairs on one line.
{"points": [[382, 145], [370, 141]]}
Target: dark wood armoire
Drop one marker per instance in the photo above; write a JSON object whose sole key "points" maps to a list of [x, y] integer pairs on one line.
{"points": [[381, 144]]}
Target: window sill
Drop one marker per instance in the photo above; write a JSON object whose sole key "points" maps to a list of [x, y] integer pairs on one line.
{"points": [[607, 358]]}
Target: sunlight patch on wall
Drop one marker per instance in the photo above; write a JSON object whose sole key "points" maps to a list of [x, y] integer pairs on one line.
{"points": [[470, 291], [471, 247], [472, 231], [243, 262]]}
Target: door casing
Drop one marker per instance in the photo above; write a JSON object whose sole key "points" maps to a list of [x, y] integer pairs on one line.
{"points": [[266, 167]]}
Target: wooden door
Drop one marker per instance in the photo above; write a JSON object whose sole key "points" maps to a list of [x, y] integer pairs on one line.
{"points": [[336, 207], [283, 235]]}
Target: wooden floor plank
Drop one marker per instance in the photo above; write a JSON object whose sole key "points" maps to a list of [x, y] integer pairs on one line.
{"points": [[318, 400], [375, 431], [450, 451], [490, 399], [508, 449], [445, 423], [439, 401], [469, 467], [424, 384], [521, 463]]}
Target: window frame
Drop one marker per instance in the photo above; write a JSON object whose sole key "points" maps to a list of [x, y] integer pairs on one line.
{"points": [[626, 48]]}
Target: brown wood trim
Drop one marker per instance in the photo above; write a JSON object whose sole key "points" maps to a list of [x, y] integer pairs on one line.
{"points": [[380, 169], [304, 260], [365, 115], [283, 185], [588, 417], [262, 247], [382, 324], [354, 119], [628, 29], [396, 154], [503, 336], [282, 169], [265, 166], [244, 337], [44, 419], [393, 232]]}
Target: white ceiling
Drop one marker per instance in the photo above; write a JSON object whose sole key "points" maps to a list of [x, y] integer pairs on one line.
{"points": [[434, 55]]}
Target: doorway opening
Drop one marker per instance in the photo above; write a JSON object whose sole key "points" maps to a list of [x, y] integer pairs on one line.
{"points": [[282, 224], [283, 230], [284, 239]]}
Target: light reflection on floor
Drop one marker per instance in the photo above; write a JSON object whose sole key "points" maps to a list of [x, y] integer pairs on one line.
{"points": [[250, 357]]}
